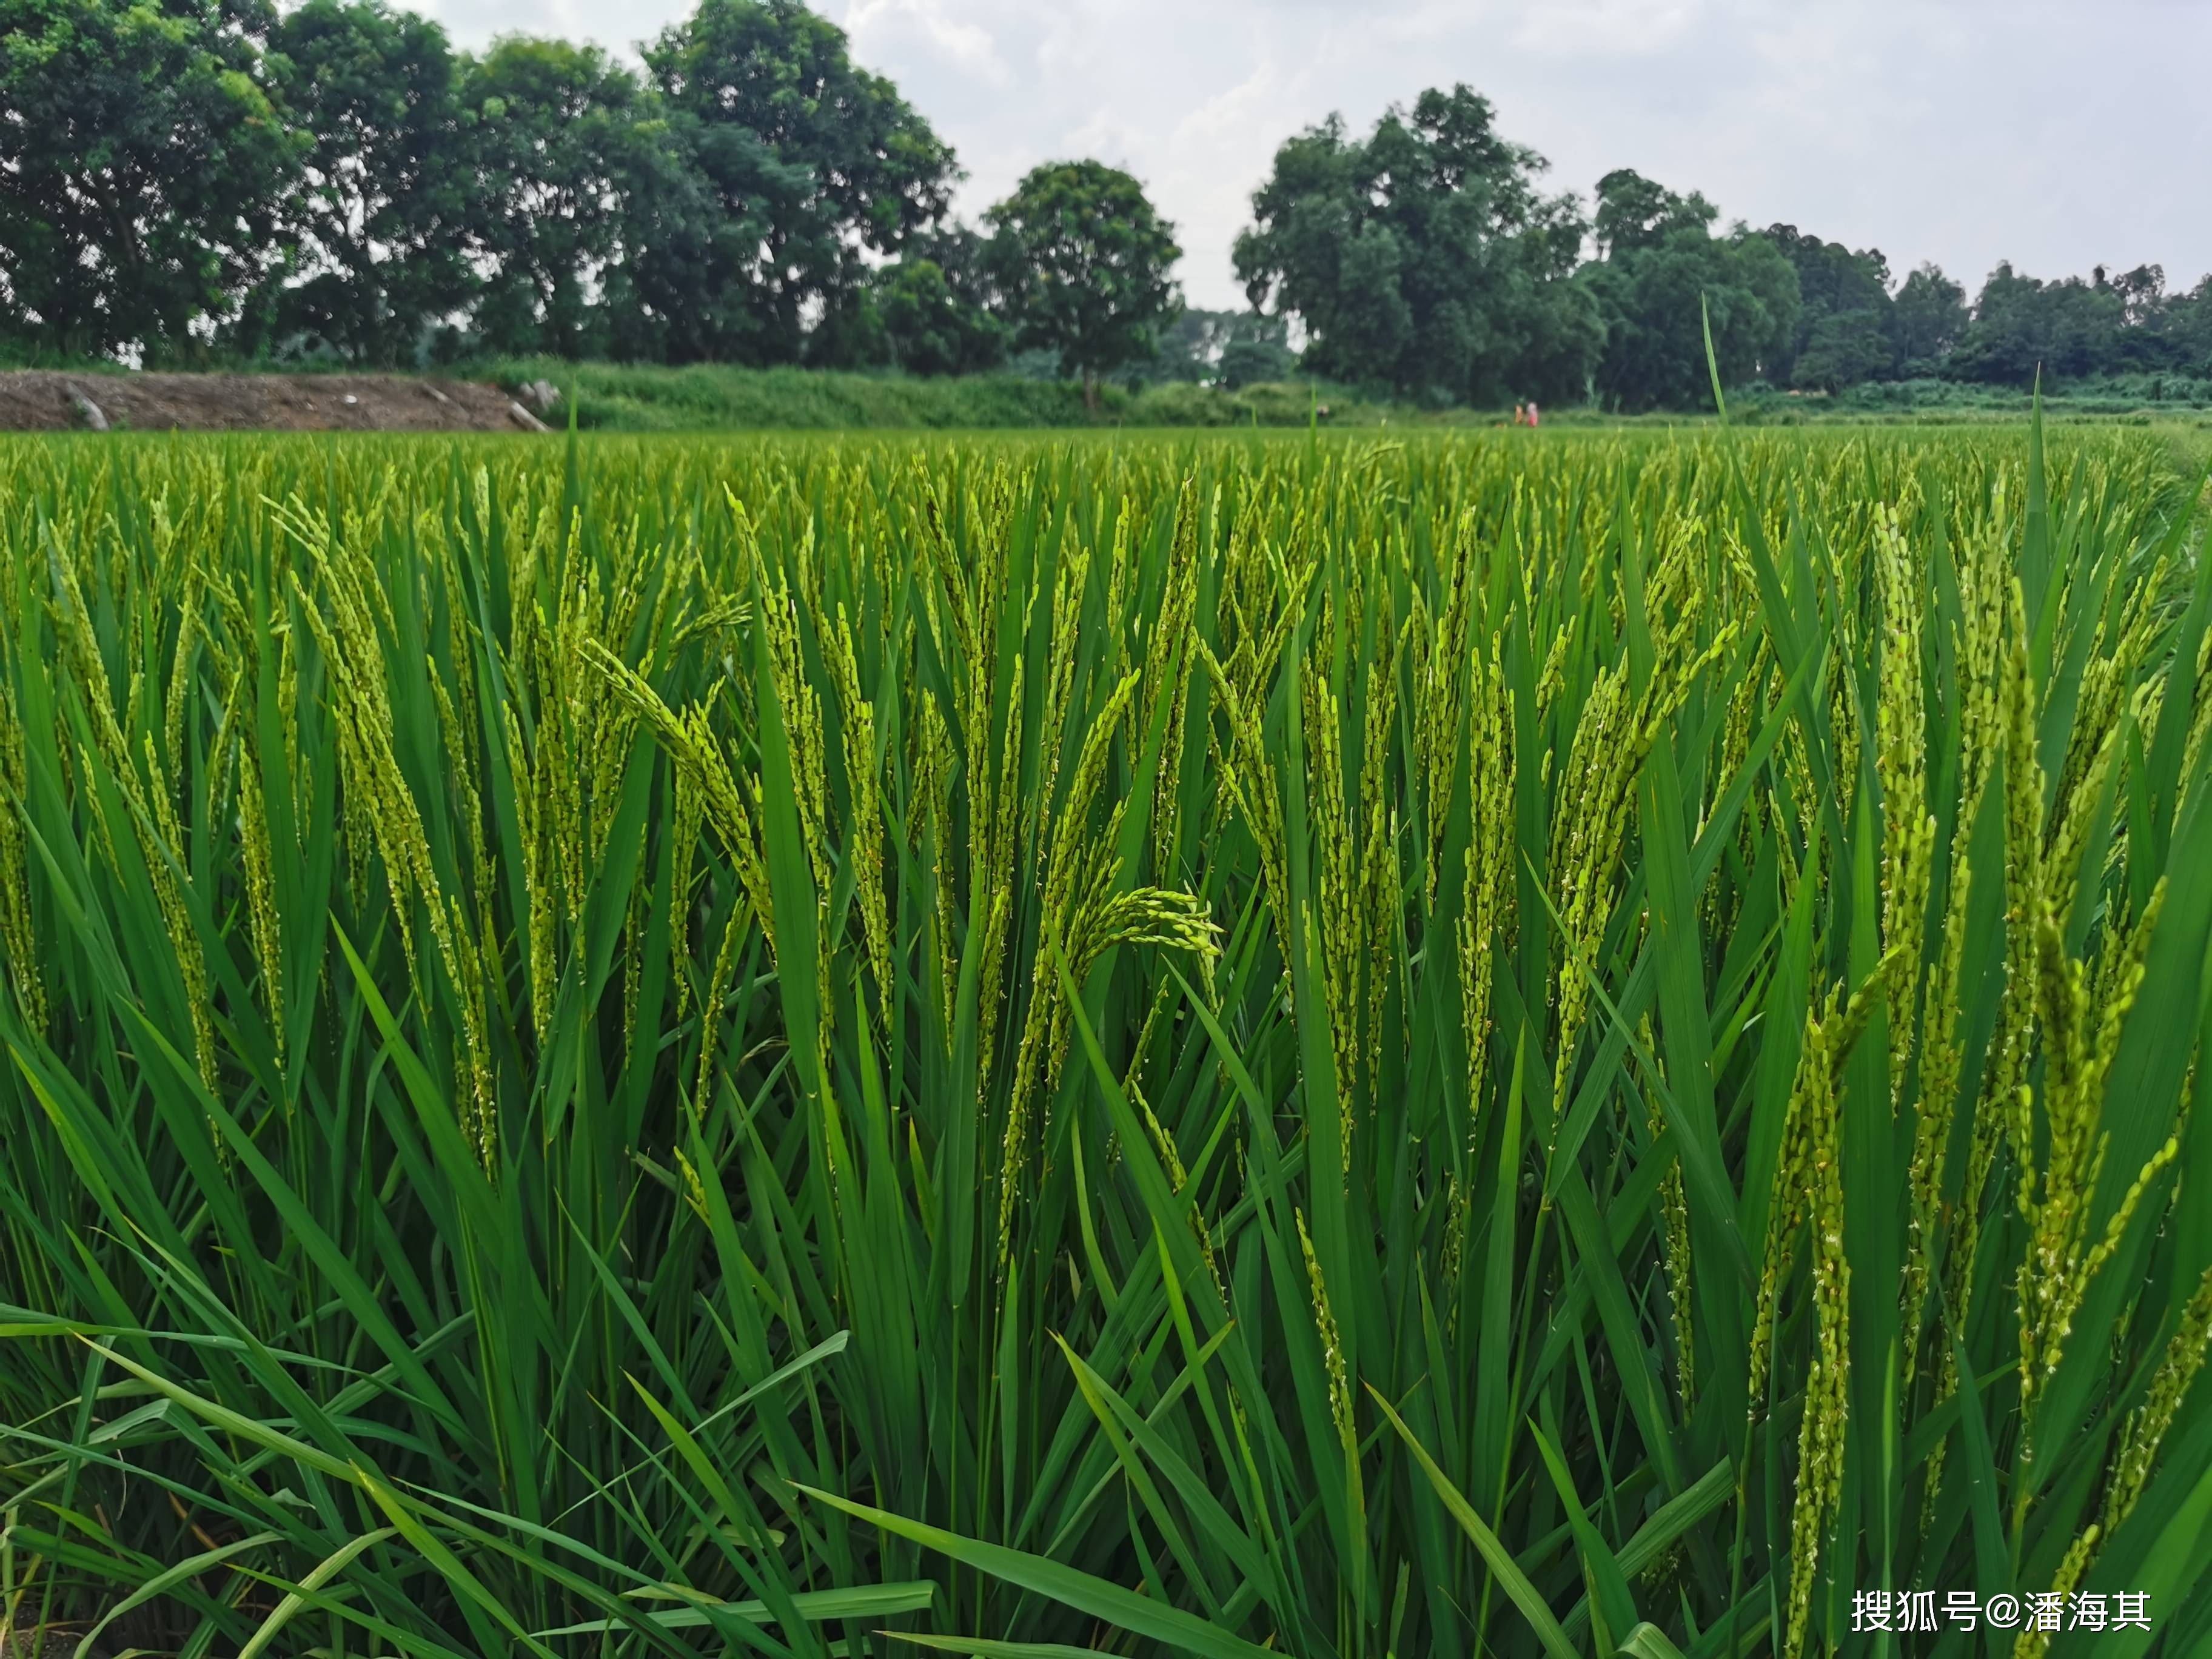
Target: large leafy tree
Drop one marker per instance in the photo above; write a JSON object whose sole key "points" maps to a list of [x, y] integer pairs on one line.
{"points": [[2022, 325], [2189, 329], [385, 211], [2110, 324], [142, 165], [1086, 266], [1663, 275], [1927, 316], [573, 171], [1844, 332], [1423, 257], [939, 306], [2153, 324], [1253, 347], [1839, 348], [812, 162], [1634, 213]]}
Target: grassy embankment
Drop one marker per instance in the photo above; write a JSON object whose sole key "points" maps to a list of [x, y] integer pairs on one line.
{"points": [[713, 397], [704, 397]]}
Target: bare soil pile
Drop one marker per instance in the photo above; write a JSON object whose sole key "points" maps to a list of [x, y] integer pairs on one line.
{"points": [[44, 400]]}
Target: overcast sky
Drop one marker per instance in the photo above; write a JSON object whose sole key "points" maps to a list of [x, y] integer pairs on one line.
{"points": [[1964, 131]]}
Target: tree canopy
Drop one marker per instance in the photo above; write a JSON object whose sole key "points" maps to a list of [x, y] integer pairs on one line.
{"points": [[1663, 275], [1423, 257], [1928, 313], [1085, 265], [938, 309], [2077, 327], [340, 179], [812, 163], [143, 166], [193, 181], [565, 141], [1844, 333], [385, 204]]}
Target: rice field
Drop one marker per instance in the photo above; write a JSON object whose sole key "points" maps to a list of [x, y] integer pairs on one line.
{"points": [[1274, 1046]]}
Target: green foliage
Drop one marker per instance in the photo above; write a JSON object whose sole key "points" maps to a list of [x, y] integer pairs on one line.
{"points": [[714, 397], [1085, 263], [1230, 349], [1663, 274], [809, 161], [1635, 214], [568, 148], [210, 183], [1842, 348], [2021, 325], [2106, 325], [355, 187], [142, 165], [386, 212], [2137, 398], [711, 397], [1424, 260], [931, 325], [1927, 316], [704, 397], [1845, 319], [1538, 1045], [1255, 353]]}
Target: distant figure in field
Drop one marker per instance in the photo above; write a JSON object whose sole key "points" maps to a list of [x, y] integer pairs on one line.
{"points": [[1519, 417], [1532, 414]]}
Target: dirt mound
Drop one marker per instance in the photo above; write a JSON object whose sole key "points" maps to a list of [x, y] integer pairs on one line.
{"points": [[44, 400]]}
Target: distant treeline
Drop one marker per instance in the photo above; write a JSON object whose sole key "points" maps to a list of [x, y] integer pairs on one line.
{"points": [[205, 180]]}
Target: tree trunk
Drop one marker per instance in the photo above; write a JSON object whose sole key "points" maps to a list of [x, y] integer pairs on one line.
{"points": [[1091, 390]]}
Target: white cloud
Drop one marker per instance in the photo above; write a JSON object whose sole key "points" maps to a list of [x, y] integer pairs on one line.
{"points": [[1621, 29], [967, 44]]}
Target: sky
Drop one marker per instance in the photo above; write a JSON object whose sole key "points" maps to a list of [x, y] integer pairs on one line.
{"points": [[1964, 132]]}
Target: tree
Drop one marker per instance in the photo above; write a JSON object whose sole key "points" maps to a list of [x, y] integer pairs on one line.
{"points": [[2189, 329], [1227, 349], [1840, 348], [812, 162], [2152, 335], [1843, 333], [1084, 262], [382, 216], [934, 320], [1927, 316], [1663, 275], [2141, 293], [1255, 348], [1186, 350], [571, 165], [2022, 325], [1634, 212], [1423, 257], [141, 164]]}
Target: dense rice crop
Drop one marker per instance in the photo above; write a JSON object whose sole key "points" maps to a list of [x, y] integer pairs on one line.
{"points": [[1339, 1050]]}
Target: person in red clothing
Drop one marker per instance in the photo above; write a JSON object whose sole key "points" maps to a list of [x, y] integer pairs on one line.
{"points": [[1532, 413]]}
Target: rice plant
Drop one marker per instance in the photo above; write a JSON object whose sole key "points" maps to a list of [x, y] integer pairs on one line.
{"points": [[1279, 1046]]}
